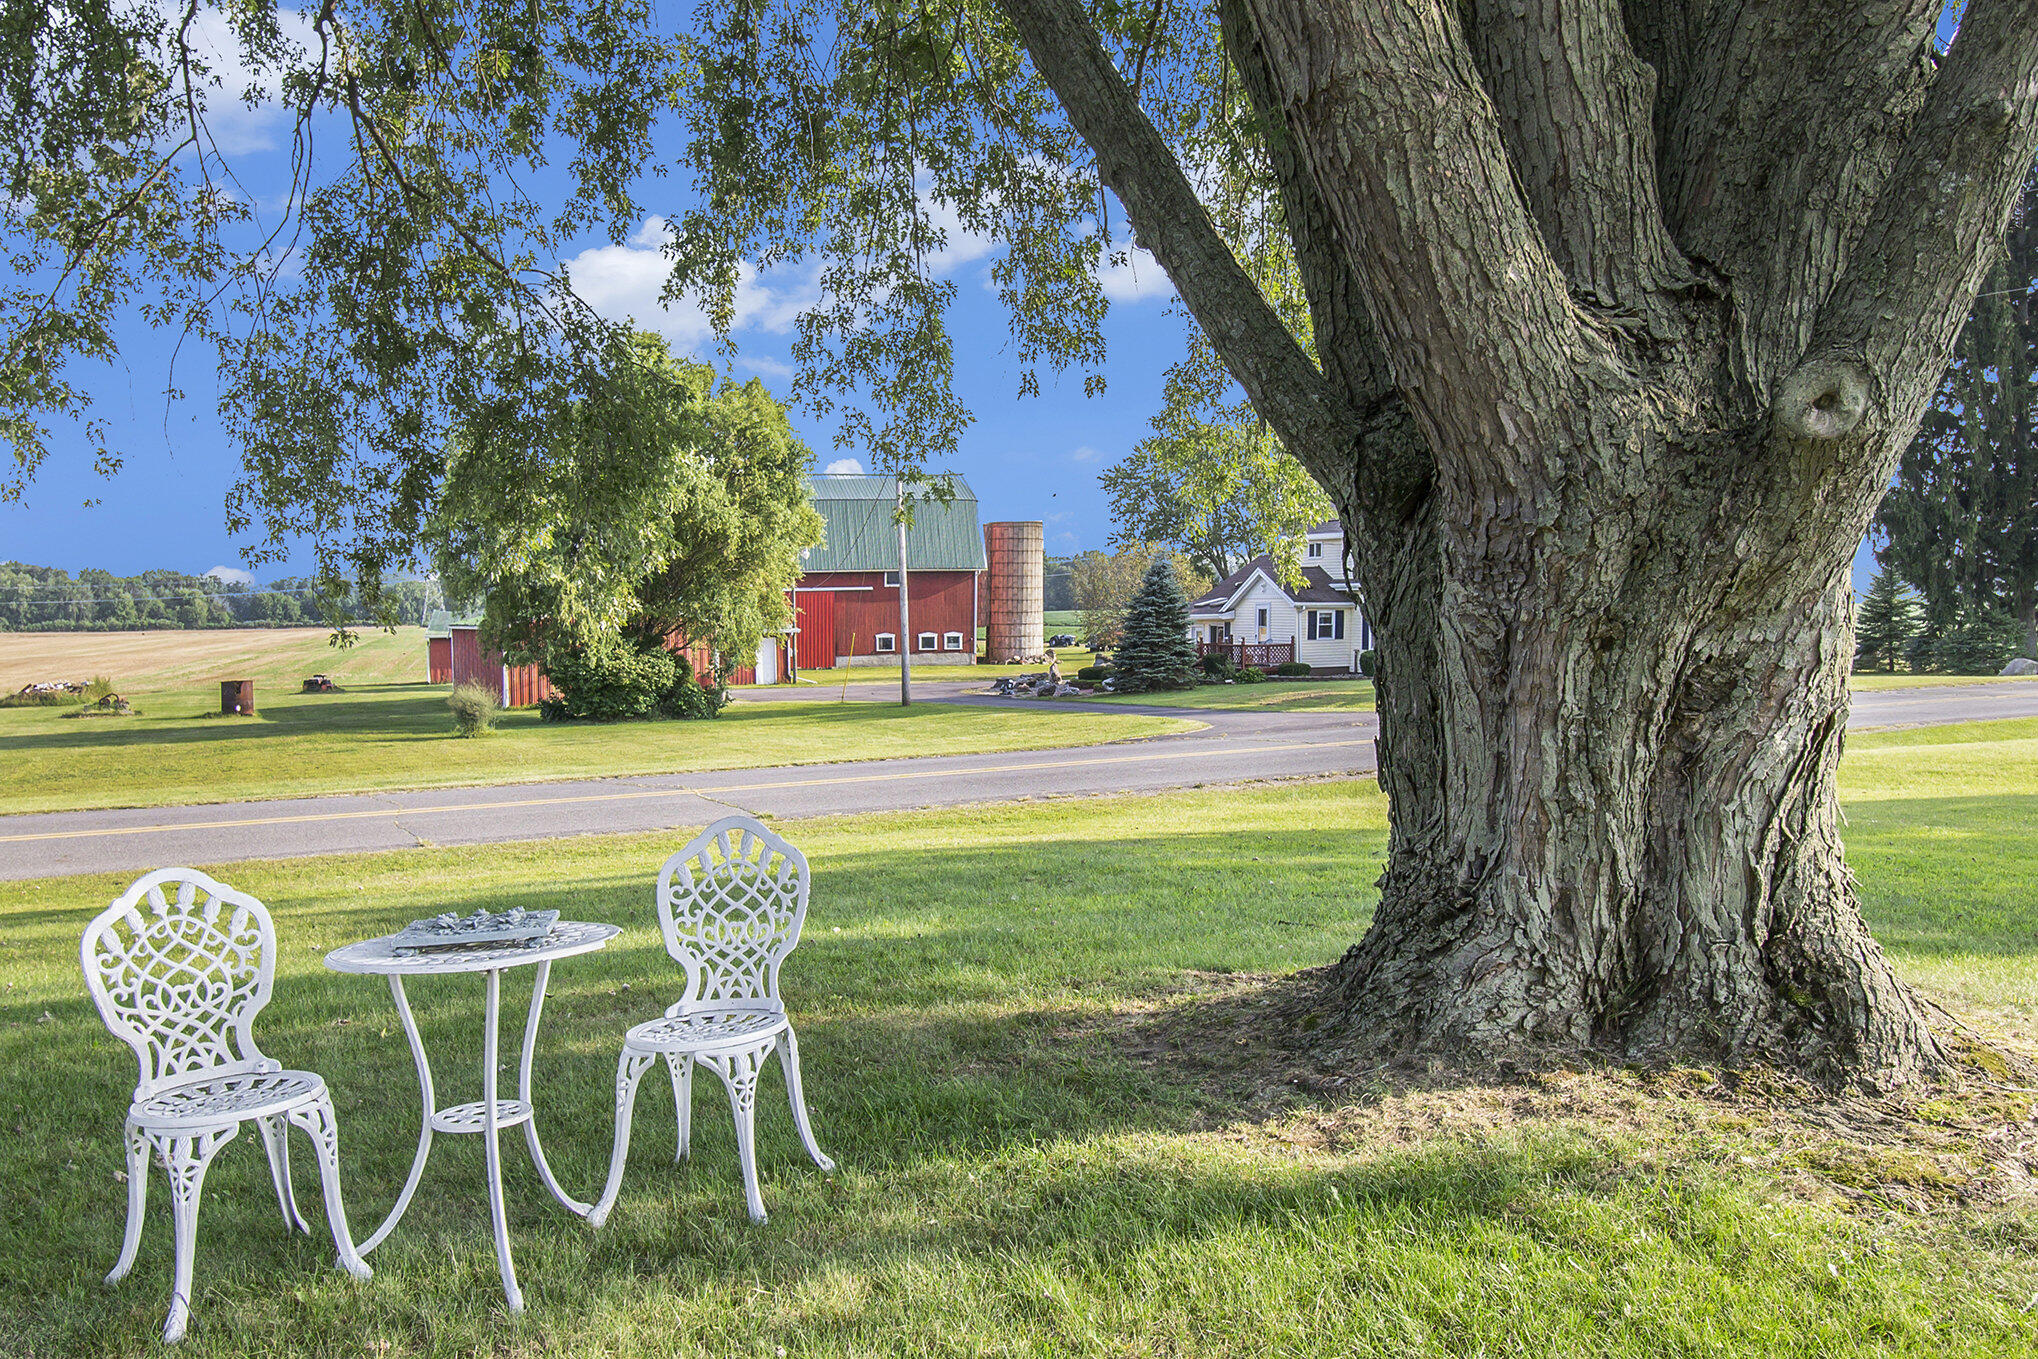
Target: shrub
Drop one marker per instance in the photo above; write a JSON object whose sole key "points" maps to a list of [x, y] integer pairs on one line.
{"points": [[552, 710], [473, 709], [688, 697], [1218, 667], [1366, 664], [1094, 672], [609, 683], [1250, 674], [1292, 669], [100, 686], [47, 699]]}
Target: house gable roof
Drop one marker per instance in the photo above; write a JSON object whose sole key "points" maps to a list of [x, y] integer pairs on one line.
{"points": [[1223, 597], [861, 535]]}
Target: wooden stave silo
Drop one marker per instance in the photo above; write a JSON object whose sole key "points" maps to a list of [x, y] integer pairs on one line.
{"points": [[1015, 589]]}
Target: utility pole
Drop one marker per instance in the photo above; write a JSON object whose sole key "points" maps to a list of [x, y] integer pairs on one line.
{"points": [[905, 623]]}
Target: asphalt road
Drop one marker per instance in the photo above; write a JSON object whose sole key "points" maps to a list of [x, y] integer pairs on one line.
{"points": [[1236, 746]]}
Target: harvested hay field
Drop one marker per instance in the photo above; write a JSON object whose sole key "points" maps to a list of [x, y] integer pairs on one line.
{"points": [[158, 660]]}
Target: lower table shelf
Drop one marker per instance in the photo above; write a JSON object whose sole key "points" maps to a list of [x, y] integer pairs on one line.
{"points": [[473, 1116]]}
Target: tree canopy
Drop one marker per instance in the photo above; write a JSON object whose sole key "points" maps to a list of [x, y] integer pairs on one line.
{"points": [[661, 504]]}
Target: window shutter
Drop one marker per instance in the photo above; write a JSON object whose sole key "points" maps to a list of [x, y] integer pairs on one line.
{"points": [[1312, 625], [1340, 625]]}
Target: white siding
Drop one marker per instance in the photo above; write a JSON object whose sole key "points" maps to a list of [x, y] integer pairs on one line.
{"points": [[1328, 653]]}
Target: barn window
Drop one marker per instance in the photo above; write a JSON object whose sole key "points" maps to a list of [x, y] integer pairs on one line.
{"points": [[887, 642], [926, 641], [891, 580], [951, 641]]}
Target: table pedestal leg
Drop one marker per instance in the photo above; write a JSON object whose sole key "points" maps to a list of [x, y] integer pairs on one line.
{"points": [[417, 1165], [572, 1204], [493, 1123]]}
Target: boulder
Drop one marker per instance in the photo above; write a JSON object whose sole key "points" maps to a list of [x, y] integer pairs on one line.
{"points": [[2023, 665]]}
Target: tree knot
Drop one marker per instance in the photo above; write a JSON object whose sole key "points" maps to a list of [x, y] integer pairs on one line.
{"points": [[1822, 399]]}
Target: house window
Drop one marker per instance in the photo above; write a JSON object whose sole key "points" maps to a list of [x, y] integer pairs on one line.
{"points": [[891, 580], [926, 641], [1325, 624], [1316, 550], [951, 641], [887, 642], [1220, 632], [1260, 621]]}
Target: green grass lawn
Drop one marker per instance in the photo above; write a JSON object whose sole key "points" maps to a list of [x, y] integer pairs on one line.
{"points": [[1352, 696], [401, 736], [1025, 1030]]}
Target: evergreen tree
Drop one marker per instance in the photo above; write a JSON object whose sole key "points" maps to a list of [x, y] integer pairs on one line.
{"points": [[1156, 652], [1888, 619], [1961, 523]]}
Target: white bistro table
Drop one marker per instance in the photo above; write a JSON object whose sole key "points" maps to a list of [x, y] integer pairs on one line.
{"points": [[488, 1114]]}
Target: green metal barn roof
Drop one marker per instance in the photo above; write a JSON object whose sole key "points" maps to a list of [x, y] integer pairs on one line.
{"points": [[945, 535]]}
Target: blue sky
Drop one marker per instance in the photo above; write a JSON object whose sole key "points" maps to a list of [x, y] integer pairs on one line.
{"points": [[1030, 458]]}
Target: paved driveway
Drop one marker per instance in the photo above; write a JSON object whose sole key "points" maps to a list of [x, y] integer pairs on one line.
{"points": [[1235, 746]]}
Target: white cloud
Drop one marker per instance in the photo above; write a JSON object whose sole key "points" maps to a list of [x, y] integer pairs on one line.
{"points": [[1084, 453], [1133, 276], [769, 367], [236, 128], [844, 467], [232, 575], [626, 283]]}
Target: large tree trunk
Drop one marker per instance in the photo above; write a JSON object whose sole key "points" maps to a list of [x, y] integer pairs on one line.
{"points": [[1614, 818], [1621, 315]]}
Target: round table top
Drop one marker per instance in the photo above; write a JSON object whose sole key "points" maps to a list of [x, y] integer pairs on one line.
{"points": [[567, 938]]}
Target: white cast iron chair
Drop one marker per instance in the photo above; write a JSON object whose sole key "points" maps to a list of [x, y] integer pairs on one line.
{"points": [[179, 967], [731, 905]]}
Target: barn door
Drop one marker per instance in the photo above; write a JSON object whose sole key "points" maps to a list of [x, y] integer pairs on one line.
{"points": [[814, 611]]}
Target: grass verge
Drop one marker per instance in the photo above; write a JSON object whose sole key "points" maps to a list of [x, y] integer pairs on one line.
{"points": [[1037, 1039]]}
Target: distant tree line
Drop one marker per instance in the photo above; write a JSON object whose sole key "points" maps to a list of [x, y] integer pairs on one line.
{"points": [[45, 599]]}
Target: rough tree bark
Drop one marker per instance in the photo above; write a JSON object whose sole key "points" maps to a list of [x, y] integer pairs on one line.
{"points": [[1625, 313]]}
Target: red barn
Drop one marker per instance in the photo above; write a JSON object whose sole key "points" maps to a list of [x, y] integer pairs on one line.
{"points": [[847, 601], [439, 647]]}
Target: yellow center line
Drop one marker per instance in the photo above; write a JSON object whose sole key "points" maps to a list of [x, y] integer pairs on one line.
{"points": [[635, 794]]}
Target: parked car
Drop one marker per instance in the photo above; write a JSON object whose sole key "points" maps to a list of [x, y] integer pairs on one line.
{"points": [[1062, 639]]}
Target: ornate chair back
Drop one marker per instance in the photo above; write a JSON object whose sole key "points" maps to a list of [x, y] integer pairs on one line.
{"points": [[179, 967], [731, 905]]}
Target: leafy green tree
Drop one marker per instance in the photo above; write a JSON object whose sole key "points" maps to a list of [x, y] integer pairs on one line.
{"points": [[1886, 623], [1212, 481], [1103, 585], [1605, 375], [663, 506], [1156, 652], [1961, 523]]}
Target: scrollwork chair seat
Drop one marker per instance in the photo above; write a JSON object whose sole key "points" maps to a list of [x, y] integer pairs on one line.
{"points": [[179, 967], [730, 905]]}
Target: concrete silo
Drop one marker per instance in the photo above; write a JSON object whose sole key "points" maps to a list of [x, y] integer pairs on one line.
{"points": [[1014, 590]]}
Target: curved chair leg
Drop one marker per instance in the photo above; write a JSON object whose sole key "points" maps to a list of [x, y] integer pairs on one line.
{"points": [[186, 1158], [789, 1063], [318, 1122], [738, 1071], [630, 1069], [681, 1065], [137, 1199], [276, 1141]]}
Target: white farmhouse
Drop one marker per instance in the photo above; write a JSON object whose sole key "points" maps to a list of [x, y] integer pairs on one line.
{"points": [[1263, 622]]}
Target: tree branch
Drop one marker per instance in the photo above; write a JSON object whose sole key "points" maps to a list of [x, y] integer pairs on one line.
{"points": [[1133, 159], [1575, 109], [1883, 333], [1400, 137], [1395, 465]]}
